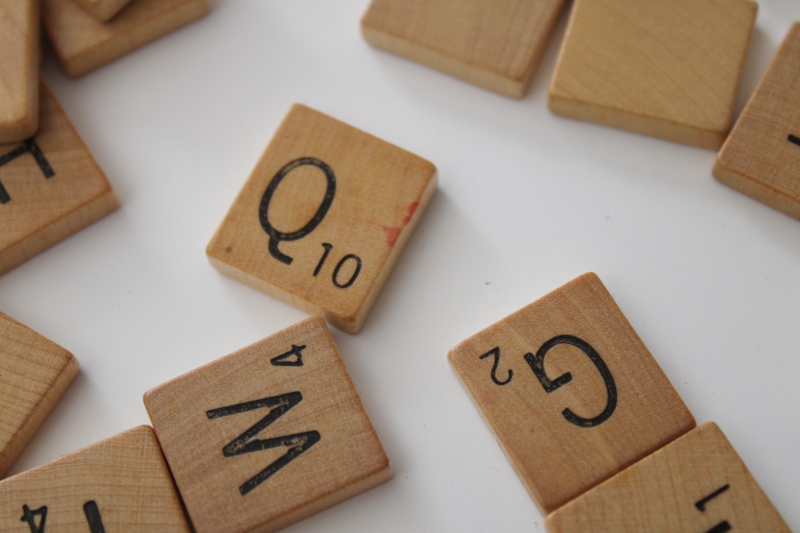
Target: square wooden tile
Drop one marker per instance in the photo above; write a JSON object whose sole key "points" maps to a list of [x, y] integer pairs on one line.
{"points": [[761, 157], [103, 10], [83, 43], [496, 44], [121, 484], [50, 187], [34, 373], [323, 218], [666, 68], [696, 484], [570, 391], [268, 435], [19, 69]]}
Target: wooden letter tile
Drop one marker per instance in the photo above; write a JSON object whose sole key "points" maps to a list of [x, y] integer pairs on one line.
{"points": [[570, 391], [666, 68], [323, 217], [121, 484], [496, 44], [50, 187], [103, 10], [83, 43], [761, 157], [697, 484], [19, 69], [34, 373], [268, 435]]}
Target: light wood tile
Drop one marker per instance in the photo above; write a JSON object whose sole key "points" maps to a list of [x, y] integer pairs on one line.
{"points": [[34, 373], [83, 43], [289, 400], [19, 67], [666, 68], [103, 10], [761, 157], [323, 218], [697, 484], [570, 391], [50, 187], [121, 484], [496, 44]]}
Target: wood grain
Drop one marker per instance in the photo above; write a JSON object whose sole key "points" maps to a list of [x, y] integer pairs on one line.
{"points": [[495, 45], [103, 10], [83, 43], [292, 389], [621, 405], [44, 201], [666, 68], [19, 67], [121, 484], [761, 157], [34, 373], [375, 194], [696, 484]]}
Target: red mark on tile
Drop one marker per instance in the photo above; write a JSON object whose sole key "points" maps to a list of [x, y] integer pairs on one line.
{"points": [[392, 233], [412, 208]]}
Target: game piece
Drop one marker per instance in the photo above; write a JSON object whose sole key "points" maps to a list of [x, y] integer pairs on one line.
{"points": [[218, 426], [496, 44], [761, 157], [34, 373], [19, 69], [103, 10], [666, 68], [50, 187], [695, 484], [570, 391], [121, 484], [83, 43], [323, 218]]}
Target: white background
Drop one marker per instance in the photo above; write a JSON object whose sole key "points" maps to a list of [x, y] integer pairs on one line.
{"points": [[709, 278]]}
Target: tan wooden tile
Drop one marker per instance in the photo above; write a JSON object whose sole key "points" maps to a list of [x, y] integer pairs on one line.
{"points": [[761, 157], [496, 44], [323, 218], [103, 10], [83, 43], [34, 373], [50, 187], [696, 484], [289, 400], [19, 68], [666, 68], [570, 391], [121, 484]]}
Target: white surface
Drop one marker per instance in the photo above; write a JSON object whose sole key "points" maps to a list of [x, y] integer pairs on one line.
{"points": [[709, 278]]}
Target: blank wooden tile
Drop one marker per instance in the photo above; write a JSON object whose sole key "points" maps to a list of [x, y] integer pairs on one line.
{"points": [[34, 373], [666, 68], [323, 218], [19, 67], [496, 44], [50, 187], [570, 391], [268, 435], [761, 157], [83, 43], [103, 10], [121, 484], [697, 484]]}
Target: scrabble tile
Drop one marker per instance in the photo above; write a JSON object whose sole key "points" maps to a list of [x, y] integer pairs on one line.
{"points": [[268, 435], [103, 10], [34, 373], [570, 391], [19, 67], [666, 68], [83, 43], [496, 44], [761, 157], [696, 484], [50, 187], [323, 217], [121, 484]]}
